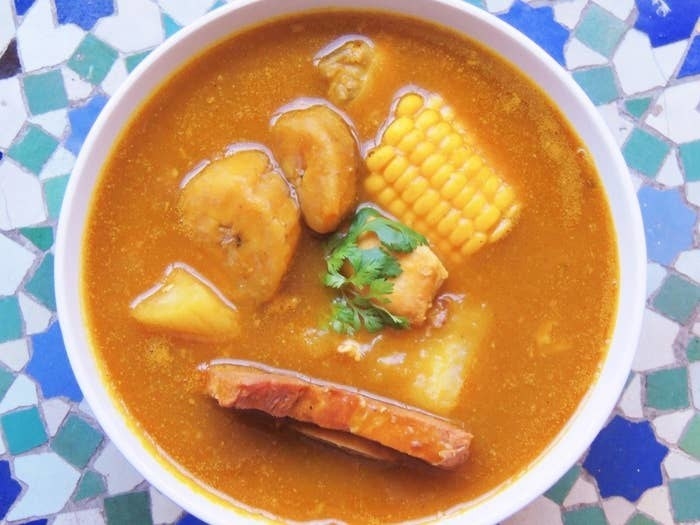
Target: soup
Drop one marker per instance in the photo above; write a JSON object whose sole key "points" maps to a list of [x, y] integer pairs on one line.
{"points": [[525, 320]]}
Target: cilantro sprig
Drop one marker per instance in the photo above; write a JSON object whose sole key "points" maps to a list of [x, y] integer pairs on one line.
{"points": [[363, 276]]}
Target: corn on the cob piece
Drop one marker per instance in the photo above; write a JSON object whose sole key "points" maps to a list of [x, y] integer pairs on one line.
{"points": [[426, 172]]}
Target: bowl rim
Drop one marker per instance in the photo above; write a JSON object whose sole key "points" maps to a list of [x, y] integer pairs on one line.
{"points": [[474, 23]]}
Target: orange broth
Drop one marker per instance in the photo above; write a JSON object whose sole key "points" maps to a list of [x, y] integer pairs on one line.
{"points": [[557, 269]]}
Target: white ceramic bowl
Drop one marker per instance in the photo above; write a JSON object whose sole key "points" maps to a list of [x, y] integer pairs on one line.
{"points": [[595, 408]]}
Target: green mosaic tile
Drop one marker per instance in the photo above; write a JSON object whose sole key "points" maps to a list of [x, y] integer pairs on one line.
{"points": [[90, 485], [134, 60], [677, 298], [11, 315], [668, 389], [598, 83], [41, 284], [600, 30], [23, 430], [129, 509], [637, 106], [76, 441], [93, 59], [585, 516], [691, 438], [690, 160], [41, 237], [641, 519], [6, 380], [54, 189], [684, 498], [644, 152], [34, 149], [561, 488], [45, 92], [693, 350], [169, 26]]}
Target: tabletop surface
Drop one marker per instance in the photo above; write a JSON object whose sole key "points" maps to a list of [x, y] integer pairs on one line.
{"points": [[60, 60]]}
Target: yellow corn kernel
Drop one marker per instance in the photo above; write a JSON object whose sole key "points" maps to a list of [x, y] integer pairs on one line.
{"points": [[472, 167], [386, 196], [426, 202], [379, 157], [476, 204], [474, 243], [438, 132], [504, 197], [450, 143], [437, 213], [431, 165], [448, 223], [453, 185], [410, 141], [415, 189], [396, 168], [397, 130], [463, 231], [427, 118], [487, 218], [375, 183], [464, 196], [421, 152], [409, 104], [397, 208], [406, 178], [441, 175]]}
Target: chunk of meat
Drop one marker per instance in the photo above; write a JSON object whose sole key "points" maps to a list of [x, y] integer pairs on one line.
{"points": [[242, 206], [282, 393], [184, 303], [318, 154], [346, 67]]}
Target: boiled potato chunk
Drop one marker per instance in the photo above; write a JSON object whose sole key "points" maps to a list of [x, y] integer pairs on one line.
{"points": [[242, 207], [318, 154], [183, 303]]}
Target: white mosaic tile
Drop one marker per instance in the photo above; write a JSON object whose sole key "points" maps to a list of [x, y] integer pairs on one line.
{"points": [[656, 274], [668, 58], [22, 393], [578, 55], [76, 88], [21, 197], [14, 354], [55, 411], [3, 448], [692, 193], [677, 116], [57, 42], [636, 65], [582, 492], [12, 111], [135, 26], [694, 378], [498, 6], [119, 475], [61, 162], [631, 400], [620, 8], [7, 24], [82, 517], [14, 265], [54, 122], [85, 408], [655, 348], [569, 13], [689, 264], [115, 77], [670, 174], [618, 124], [542, 510], [680, 465], [185, 11], [36, 317], [655, 502], [669, 427], [617, 510], [50, 481], [163, 510], [637, 181]]}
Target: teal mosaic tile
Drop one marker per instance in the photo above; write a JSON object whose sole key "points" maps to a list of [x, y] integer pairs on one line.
{"points": [[585, 516], [34, 149], [91, 485], [644, 152], [677, 298], [11, 315], [684, 498], [600, 30], [668, 389], [41, 237], [690, 442], [693, 350], [45, 92], [93, 59], [6, 380], [134, 60], [561, 488], [170, 26], [128, 509], [641, 519], [76, 441], [690, 160], [598, 83], [41, 284], [636, 107], [23, 430], [54, 189]]}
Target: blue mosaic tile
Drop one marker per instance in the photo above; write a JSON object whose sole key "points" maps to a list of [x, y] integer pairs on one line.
{"points": [[22, 6], [50, 367], [667, 21], [9, 488], [170, 26], [81, 120], [540, 26], [625, 459], [36, 522], [9, 61], [691, 64], [84, 14], [189, 519], [668, 223]]}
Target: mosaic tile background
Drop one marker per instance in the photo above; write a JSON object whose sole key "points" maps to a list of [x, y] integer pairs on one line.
{"points": [[60, 60]]}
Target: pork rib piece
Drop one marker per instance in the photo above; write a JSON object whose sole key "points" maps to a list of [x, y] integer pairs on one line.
{"points": [[282, 393]]}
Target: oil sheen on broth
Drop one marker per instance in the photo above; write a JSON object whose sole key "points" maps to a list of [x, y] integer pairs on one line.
{"points": [[537, 305]]}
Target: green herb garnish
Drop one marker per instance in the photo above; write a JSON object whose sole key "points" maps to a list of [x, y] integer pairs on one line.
{"points": [[362, 275]]}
